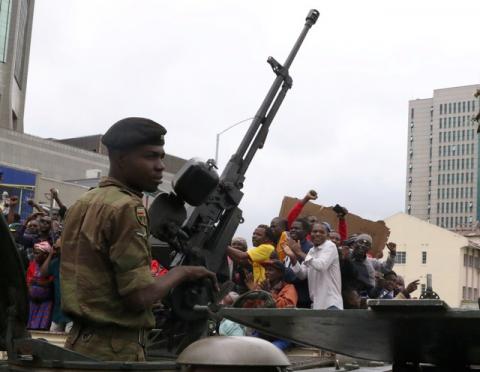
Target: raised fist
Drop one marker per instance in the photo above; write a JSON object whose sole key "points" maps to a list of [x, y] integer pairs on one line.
{"points": [[311, 195], [392, 247]]}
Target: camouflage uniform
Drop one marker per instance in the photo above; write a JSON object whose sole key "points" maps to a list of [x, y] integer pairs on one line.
{"points": [[105, 256]]}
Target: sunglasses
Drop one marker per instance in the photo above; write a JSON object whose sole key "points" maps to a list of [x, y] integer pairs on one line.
{"points": [[45, 221]]}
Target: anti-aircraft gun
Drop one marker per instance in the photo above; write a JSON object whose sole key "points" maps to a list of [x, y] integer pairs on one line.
{"points": [[201, 236], [198, 238]]}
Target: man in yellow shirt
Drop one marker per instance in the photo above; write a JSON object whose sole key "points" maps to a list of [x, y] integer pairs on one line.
{"points": [[263, 248]]}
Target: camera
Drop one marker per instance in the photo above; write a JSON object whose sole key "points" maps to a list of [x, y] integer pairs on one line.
{"points": [[338, 209]]}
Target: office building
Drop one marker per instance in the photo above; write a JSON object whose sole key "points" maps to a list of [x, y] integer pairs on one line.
{"points": [[442, 159], [15, 36], [32, 165]]}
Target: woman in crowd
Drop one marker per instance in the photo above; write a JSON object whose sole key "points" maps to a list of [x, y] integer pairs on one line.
{"points": [[40, 289]]}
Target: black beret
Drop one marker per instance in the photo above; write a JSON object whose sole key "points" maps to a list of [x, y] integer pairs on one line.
{"points": [[132, 132]]}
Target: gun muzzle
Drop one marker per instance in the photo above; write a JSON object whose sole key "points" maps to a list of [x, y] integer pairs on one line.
{"points": [[312, 17]]}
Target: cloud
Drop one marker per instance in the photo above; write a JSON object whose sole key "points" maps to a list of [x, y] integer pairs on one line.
{"points": [[200, 67]]}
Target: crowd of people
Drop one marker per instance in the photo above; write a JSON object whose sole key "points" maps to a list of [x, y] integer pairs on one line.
{"points": [[299, 261], [304, 263], [38, 240]]}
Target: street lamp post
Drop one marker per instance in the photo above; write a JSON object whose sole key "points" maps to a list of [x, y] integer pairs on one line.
{"points": [[217, 144]]}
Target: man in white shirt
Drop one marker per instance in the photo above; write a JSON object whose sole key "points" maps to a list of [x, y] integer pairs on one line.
{"points": [[322, 268]]}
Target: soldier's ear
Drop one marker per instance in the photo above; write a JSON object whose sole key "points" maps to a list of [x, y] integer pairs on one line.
{"points": [[118, 157]]}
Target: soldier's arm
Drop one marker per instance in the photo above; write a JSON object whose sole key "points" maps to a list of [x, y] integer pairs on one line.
{"points": [[144, 298], [130, 256]]}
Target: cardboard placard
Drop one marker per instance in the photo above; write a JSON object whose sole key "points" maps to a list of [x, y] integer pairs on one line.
{"points": [[356, 224]]}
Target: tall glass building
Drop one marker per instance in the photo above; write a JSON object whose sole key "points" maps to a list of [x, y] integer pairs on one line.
{"points": [[443, 159], [15, 36]]}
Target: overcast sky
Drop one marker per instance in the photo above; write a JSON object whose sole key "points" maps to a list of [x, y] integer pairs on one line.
{"points": [[197, 67]]}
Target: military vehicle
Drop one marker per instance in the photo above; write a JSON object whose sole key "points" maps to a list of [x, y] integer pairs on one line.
{"points": [[414, 335], [199, 239]]}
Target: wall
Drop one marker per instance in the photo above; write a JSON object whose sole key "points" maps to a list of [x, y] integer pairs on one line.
{"points": [[443, 248], [68, 192], [52, 159]]}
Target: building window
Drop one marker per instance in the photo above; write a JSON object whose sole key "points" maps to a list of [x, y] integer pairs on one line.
{"points": [[424, 257], [401, 257]]}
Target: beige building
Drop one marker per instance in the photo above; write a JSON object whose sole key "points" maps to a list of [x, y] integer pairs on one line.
{"points": [[453, 260], [442, 164]]}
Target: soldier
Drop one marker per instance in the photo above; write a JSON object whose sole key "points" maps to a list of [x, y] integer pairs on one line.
{"points": [[106, 284]]}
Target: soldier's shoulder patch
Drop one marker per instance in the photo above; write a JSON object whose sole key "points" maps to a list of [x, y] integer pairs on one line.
{"points": [[141, 214]]}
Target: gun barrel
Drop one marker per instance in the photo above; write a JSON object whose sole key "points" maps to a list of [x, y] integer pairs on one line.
{"points": [[238, 164]]}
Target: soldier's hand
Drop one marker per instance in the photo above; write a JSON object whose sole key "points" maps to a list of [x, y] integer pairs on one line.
{"points": [[192, 273]]}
